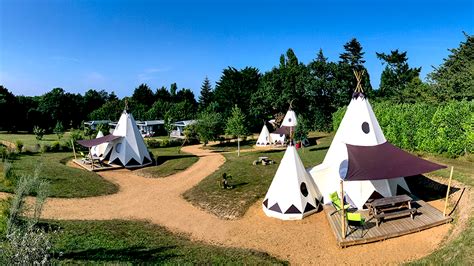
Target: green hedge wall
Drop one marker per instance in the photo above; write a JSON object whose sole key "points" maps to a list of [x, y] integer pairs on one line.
{"points": [[447, 128]]}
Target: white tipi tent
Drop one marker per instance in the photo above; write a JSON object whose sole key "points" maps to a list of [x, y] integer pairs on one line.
{"points": [[290, 119], [130, 150], [359, 126], [292, 194], [99, 150], [264, 138]]}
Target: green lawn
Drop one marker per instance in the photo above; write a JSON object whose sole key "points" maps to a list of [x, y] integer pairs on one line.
{"points": [[116, 241], [168, 162], [231, 146], [250, 181], [64, 181], [30, 139]]}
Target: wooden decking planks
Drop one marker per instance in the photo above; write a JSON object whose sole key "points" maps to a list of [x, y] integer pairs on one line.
{"points": [[96, 168], [426, 217]]}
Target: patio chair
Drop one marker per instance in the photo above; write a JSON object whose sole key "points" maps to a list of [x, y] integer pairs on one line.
{"points": [[85, 159], [336, 202], [355, 221]]}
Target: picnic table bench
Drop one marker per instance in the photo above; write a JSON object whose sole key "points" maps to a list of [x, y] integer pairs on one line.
{"points": [[391, 207]]}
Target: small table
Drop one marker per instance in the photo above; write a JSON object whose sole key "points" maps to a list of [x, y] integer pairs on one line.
{"points": [[379, 207]]}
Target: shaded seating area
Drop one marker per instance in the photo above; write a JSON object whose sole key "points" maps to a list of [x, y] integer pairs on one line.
{"points": [[93, 162], [367, 231]]}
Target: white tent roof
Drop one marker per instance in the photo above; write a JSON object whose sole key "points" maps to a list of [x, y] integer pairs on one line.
{"points": [[290, 119], [130, 150], [99, 150], [292, 194], [264, 138], [359, 126]]}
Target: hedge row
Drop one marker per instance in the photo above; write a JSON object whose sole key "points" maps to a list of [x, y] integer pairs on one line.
{"points": [[443, 129]]}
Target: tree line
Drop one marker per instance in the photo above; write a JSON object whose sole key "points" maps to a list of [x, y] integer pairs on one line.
{"points": [[316, 90]]}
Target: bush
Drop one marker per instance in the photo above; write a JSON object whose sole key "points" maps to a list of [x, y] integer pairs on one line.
{"points": [[4, 153], [444, 129], [39, 132], [19, 145]]}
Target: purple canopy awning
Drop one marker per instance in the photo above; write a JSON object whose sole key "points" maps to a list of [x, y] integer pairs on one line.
{"points": [[384, 161], [97, 141], [283, 130]]}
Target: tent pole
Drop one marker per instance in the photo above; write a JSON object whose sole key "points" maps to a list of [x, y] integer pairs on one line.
{"points": [[73, 149], [343, 218], [92, 159], [447, 192]]}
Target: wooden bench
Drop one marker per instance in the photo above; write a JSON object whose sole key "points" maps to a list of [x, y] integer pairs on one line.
{"points": [[380, 216]]}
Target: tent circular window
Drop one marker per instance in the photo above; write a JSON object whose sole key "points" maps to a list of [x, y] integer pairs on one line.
{"points": [[289, 119], [304, 189], [118, 147], [366, 127]]}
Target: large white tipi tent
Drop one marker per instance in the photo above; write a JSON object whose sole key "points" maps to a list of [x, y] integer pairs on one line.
{"points": [[99, 150], [292, 194], [359, 126], [264, 138], [130, 149]]}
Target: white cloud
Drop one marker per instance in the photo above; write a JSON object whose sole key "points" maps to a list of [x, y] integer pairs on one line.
{"points": [[151, 73]]}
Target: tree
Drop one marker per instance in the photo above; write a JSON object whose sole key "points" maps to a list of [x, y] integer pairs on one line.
{"points": [[320, 56], [236, 87], [353, 54], [209, 126], [173, 89], [396, 75], [8, 105], [143, 95], [93, 100], [59, 129], [236, 126], [453, 79], [207, 94]]}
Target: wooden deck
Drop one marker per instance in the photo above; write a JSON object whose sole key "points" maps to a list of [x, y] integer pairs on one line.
{"points": [[426, 217], [97, 167]]}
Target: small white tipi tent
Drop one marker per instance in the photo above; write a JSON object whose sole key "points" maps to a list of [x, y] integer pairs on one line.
{"points": [[359, 126], [99, 150], [292, 194], [264, 138], [130, 150]]}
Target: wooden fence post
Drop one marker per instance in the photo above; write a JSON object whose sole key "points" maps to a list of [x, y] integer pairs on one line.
{"points": [[447, 192]]}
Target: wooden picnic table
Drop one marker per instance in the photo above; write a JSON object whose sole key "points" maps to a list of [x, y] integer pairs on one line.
{"points": [[390, 207]]}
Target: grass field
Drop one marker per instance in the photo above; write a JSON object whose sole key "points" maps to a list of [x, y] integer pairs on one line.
{"points": [[125, 242], [30, 139], [64, 181], [168, 162], [250, 181]]}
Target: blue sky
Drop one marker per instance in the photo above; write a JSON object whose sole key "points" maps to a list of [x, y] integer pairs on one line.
{"points": [[117, 45]]}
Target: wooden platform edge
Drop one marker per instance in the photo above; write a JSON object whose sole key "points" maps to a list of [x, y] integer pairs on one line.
{"points": [[347, 243]]}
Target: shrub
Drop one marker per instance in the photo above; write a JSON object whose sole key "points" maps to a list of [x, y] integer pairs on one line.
{"points": [[19, 145], [444, 129], [55, 146], [337, 117], [39, 132], [4, 153]]}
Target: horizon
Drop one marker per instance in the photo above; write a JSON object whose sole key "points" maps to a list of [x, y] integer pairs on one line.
{"points": [[116, 46]]}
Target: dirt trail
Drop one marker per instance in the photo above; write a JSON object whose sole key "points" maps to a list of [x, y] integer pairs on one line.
{"points": [[309, 241]]}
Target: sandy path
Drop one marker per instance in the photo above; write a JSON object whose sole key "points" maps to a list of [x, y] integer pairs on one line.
{"points": [[159, 201]]}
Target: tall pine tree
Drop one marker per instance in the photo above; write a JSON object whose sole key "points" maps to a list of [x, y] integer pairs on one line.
{"points": [[207, 94]]}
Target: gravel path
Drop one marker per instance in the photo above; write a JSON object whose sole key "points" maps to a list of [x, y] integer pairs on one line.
{"points": [[309, 241]]}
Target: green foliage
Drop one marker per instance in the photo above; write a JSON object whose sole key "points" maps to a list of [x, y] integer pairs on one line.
{"points": [[396, 76], [208, 126], [19, 145], [303, 128], [39, 132], [59, 129], [443, 129], [207, 94], [453, 78], [237, 123], [25, 243], [337, 117]]}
